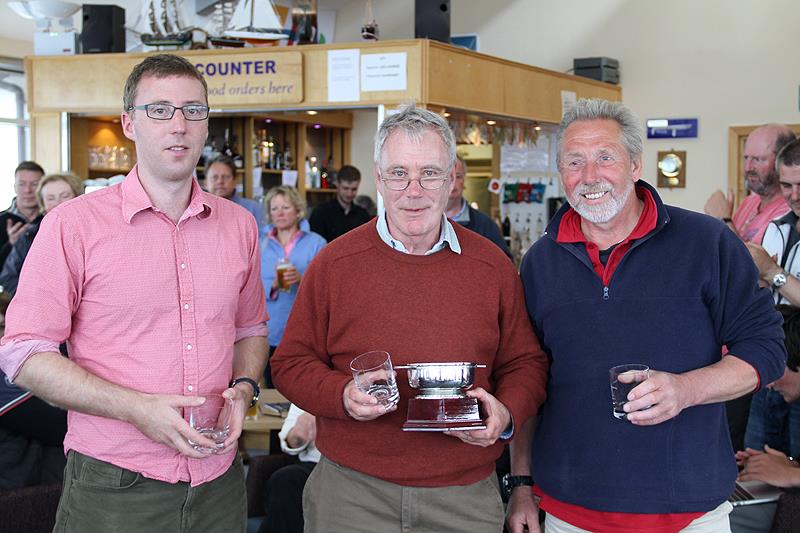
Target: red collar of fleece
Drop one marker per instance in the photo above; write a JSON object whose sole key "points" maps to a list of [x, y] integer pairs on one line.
{"points": [[569, 230]]}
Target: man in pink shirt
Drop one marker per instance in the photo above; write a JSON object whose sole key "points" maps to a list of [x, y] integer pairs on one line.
{"points": [[156, 287], [765, 202]]}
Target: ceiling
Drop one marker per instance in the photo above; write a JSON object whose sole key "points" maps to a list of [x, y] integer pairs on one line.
{"points": [[12, 26]]}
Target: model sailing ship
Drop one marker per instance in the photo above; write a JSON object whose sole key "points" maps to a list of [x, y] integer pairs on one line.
{"points": [[161, 24]]}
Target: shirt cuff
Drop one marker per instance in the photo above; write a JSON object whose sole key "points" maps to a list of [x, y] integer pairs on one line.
{"points": [[14, 353], [509, 432], [259, 330]]}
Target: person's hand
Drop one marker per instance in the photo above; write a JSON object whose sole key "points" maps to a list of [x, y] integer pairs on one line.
{"points": [[159, 417], [767, 265], [291, 276], [303, 432], [657, 399], [241, 395], [15, 230], [361, 406], [771, 467], [743, 455], [719, 205], [523, 511], [497, 420]]}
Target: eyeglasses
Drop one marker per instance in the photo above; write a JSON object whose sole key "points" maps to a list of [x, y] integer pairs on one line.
{"points": [[167, 111], [430, 180]]}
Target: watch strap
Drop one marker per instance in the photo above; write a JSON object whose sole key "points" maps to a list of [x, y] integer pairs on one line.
{"points": [[252, 383]]}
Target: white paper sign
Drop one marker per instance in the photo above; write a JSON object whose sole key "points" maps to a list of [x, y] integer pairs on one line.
{"points": [[383, 72], [568, 101], [289, 177], [257, 188], [343, 83]]}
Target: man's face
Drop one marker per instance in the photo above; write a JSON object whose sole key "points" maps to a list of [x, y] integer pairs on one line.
{"points": [[25, 183], [167, 150], [415, 213], [597, 174], [789, 182], [457, 188], [220, 180], [788, 385], [346, 191], [759, 162]]}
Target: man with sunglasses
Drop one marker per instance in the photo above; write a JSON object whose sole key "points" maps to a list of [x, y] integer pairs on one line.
{"points": [[155, 285], [424, 289]]}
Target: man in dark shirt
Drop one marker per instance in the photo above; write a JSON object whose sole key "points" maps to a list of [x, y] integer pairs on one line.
{"points": [[24, 208], [338, 216], [460, 211]]}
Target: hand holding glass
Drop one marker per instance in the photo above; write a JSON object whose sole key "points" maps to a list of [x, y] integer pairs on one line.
{"points": [[624, 378], [212, 419], [374, 375]]}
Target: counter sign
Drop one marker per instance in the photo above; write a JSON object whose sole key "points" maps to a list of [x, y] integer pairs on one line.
{"points": [[252, 78]]}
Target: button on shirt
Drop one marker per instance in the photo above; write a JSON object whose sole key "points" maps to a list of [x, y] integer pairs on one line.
{"points": [[143, 303]]}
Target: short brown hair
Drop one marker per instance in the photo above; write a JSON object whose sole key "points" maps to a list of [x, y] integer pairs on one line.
{"points": [[72, 180], [348, 173], [29, 165], [159, 66], [291, 194], [222, 159]]}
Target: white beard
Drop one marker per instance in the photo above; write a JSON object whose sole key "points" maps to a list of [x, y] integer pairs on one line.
{"points": [[604, 212]]}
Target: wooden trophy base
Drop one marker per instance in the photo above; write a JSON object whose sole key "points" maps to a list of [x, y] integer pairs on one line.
{"points": [[443, 414]]}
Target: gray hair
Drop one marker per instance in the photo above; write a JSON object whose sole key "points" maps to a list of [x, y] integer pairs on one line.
{"points": [[597, 109], [414, 121]]}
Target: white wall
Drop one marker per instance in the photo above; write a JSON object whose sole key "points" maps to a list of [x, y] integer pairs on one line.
{"points": [[728, 63]]}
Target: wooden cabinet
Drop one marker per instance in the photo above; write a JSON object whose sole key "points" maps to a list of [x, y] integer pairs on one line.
{"points": [[99, 149]]}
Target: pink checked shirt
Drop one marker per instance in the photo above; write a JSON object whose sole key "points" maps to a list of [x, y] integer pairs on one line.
{"points": [[143, 303], [751, 223]]}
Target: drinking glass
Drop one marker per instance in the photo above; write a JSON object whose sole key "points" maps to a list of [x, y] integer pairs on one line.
{"points": [[374, 375], [624, 378], [212, 419]]}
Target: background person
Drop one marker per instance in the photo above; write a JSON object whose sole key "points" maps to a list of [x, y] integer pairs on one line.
{"points": [[288, 237], [284, 496], [53, 189], [761, 179], [619, 277], [340, 215], [772, 420], [24, 208], [768, 464], [221, 181], [166, 312], [460, 211]]}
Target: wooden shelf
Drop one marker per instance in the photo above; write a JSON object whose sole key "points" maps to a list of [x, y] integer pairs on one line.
{"points": [[102, 170], [322, 191]]}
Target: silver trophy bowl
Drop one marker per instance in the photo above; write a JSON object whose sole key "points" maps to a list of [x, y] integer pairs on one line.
{"points": [[441, 380]]}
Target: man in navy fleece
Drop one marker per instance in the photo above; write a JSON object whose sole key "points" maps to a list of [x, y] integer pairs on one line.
{"points": [[622, 278]]}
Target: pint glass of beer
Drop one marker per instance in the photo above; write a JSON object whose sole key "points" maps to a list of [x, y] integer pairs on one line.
{"points": [[280, 269]]}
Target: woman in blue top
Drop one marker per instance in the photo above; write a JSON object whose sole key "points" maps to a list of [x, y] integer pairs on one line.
{"points": [[287, 236]]}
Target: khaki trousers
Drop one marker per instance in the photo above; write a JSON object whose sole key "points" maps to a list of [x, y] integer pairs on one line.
{"points": [[101, 497], [337, 499]]}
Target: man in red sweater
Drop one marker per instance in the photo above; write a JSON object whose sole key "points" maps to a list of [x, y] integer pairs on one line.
{"points": [[424, 290]]}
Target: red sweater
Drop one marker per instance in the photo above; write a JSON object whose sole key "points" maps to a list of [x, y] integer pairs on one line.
{"points": [[360, 295]]}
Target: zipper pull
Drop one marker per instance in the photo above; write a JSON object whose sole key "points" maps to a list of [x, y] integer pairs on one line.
{"points": [[605, 293]]}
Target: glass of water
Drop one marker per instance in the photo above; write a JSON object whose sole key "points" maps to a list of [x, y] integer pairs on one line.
{"points": [[373, 374], [624, 378], [212, 419]]}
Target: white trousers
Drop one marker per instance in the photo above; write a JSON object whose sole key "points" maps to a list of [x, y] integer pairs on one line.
{"points": [[714, 521]]}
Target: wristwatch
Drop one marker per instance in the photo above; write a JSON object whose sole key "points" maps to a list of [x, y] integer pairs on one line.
{"points": [[511, 482], [252, 383], [779, 280]]}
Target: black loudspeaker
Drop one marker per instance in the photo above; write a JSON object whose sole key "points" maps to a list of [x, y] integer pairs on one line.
{"points": [[103, 29], [432, 20]]}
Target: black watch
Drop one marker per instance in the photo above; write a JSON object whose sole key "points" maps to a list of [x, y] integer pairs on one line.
{"points": [[256, 389], [511, 482]]}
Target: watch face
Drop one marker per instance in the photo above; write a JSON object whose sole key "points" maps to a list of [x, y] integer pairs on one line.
{"points": [[779, 280]]}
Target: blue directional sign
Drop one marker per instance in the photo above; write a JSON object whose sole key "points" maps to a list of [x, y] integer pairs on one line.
{"points": [[671, 128]]}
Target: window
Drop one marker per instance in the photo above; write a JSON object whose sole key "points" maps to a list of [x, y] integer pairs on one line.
{"points": [[13, 126]]}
